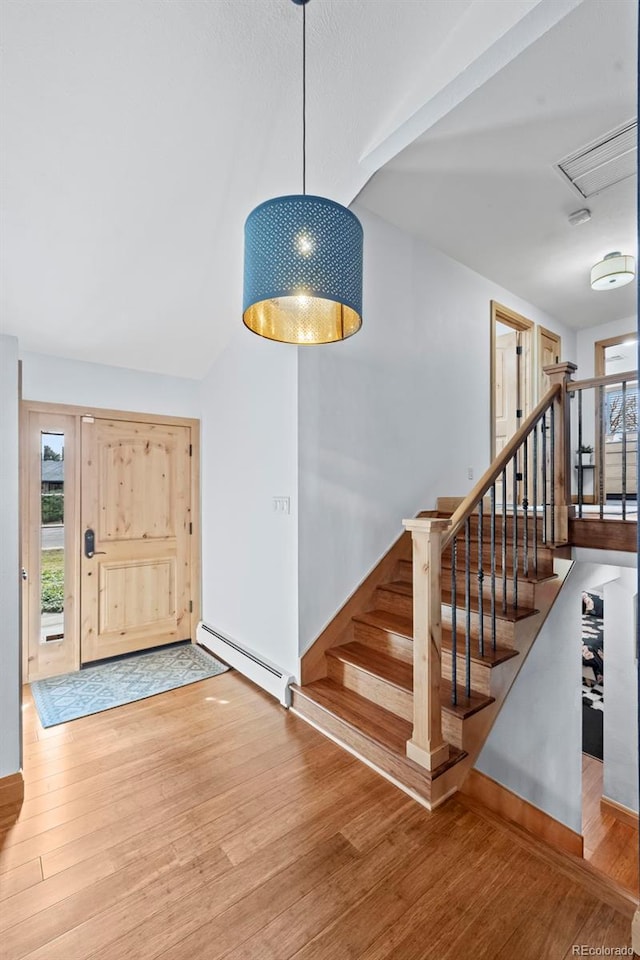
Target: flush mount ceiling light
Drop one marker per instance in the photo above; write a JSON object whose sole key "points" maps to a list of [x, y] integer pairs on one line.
{"points": [[614, 271], [302, 262]]}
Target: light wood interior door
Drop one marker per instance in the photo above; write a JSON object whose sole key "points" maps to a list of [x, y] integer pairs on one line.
{"points": [[136, 584], [507, 388], [511, 374], [549, 352], [507, 401], [511, 379]]}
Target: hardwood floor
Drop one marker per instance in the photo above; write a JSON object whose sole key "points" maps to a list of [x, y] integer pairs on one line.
{"points": [[208, 822], [609, 845]]}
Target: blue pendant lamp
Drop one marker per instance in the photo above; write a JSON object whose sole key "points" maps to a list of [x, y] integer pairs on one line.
{"points": [[303, 262]]}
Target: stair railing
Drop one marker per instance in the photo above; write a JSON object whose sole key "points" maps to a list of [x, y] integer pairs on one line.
{"points": [[607, 419], [528, 486]]}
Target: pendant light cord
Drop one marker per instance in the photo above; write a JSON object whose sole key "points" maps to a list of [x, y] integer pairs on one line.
{"points": [[304, 99]]}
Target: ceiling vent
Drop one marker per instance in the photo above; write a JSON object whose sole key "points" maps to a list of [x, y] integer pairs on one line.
{"points": [[609, 160]]}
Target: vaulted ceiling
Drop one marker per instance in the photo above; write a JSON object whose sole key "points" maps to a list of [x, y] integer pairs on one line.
{"points": [[482, 183], [138, 134]]}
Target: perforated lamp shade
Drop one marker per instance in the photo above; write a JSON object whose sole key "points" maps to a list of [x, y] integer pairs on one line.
{"points": [[302, 270]]}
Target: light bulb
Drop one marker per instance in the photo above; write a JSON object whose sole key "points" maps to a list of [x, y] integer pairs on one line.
{"points": [[305, 244]]}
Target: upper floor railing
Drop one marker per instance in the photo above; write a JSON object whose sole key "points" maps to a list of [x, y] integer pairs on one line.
{"points": [[605, 428]]}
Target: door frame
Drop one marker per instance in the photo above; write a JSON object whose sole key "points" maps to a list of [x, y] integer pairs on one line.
{"points": [[599, 369], [502, 314], [62, 409], [600, 346]]}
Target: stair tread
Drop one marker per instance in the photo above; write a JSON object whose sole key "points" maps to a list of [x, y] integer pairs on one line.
{"points": [[510, 613], [372, 721], [403, 627], [375, 662], [380, 724], [466, 706], [400, 674]]}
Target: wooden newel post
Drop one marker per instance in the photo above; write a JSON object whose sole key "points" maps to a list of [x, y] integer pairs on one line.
{"points": [[562, 373], [426, 746]]}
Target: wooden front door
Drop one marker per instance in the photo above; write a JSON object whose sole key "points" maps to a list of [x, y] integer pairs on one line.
{"points": [[136, 574]]}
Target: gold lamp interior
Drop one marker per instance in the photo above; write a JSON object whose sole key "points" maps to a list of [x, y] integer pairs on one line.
{"points": [[302, 320]]}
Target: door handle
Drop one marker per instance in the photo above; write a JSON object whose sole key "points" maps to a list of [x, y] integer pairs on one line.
{"points": [[89, 544]]}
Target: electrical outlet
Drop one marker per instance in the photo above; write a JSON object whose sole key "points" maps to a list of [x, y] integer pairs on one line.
{"points": [[281, 505], [470, 473]]}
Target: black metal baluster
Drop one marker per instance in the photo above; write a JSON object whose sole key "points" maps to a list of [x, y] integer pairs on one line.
{"points": [[514, 586], [525, 506], [535, 500], [545, 501], [480, 582], [467, 594], [552, 465], [624, 449], [504, 540], [580, 473], [493, 566], [454, 622]]}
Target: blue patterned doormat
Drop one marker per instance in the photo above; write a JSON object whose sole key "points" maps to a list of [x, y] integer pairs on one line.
{"points": [[107, 685]]}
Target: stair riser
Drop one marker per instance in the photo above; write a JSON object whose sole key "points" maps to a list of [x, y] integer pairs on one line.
{"points": [[384, 640], [394, 602], [505, 629], [526, 590], [403, 606], [544, 568], [386, 695], [404, 570], [480, 672], [452, 728], [458, 731], [402, 649], [532, 528]]}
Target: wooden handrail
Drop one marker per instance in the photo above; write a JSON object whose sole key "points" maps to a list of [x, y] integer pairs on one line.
{"points": [[430, 536], [472, 499], [611, 378]]}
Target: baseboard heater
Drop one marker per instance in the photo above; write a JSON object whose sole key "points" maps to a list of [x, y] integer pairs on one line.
{"points": [[252, 665]]}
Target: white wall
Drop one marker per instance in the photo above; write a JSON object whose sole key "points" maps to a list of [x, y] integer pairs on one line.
{"points": [[10, 747], [394, 417], [535, 746], [249, 456], [56, 380], [621, 689], [588, 337]]}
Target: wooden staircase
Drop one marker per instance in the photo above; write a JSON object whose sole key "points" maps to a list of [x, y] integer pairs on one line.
{"points": [[364, 699]]}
